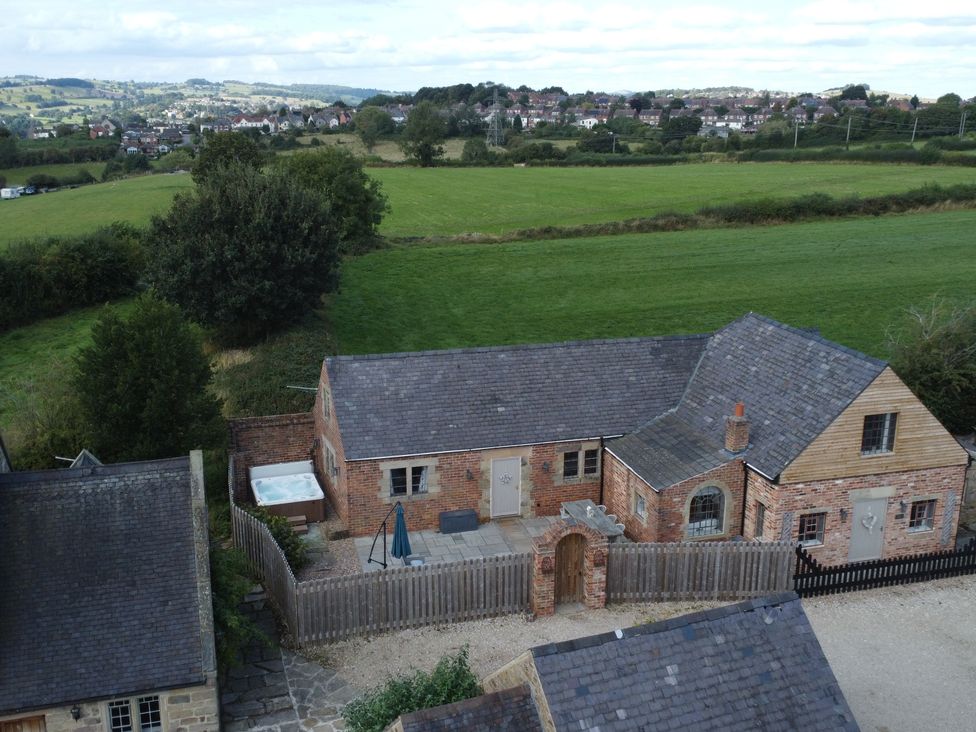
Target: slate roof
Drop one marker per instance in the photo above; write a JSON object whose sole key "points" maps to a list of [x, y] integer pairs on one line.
{"points": [[99, 577], [793, 382], [438, 401], [756, 665], [510, 710]]}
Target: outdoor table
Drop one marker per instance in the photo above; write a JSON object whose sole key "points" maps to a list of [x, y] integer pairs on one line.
{"points": [[589, 514]]}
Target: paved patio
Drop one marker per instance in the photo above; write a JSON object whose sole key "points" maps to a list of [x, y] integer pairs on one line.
{"points": [[501, 536]]}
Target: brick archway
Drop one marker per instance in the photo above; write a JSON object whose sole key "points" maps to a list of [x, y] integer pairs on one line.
{"points": [[544, 568]]}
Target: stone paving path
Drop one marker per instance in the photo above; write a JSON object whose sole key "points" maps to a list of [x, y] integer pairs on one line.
{"points": [[276, 690]]}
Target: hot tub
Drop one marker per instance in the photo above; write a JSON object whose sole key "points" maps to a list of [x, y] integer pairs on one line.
{"points": [[288, 489]]}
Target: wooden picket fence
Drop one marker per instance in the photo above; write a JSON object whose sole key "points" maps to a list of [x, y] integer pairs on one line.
{"points": [[335, 608], [698, 571]]}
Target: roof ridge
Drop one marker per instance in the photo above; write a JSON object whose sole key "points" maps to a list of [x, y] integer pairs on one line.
{"points": [[515, 347], [58, 474], [660, 626]]}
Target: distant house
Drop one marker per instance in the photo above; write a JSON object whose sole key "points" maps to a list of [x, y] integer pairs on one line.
{"points": [[756, 665], [112, 628]]}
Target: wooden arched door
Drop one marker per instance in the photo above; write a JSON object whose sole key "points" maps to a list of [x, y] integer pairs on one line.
{"points": [[569, 569]]}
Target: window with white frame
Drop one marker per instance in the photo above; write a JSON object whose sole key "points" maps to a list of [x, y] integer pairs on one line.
{"points": [[588, 459], [408, 481], [326, 407], [331, 466], [878, 436], [706, 512], [640, 506], [812, 529], [142, 714], [760, 519], [922, 517]]}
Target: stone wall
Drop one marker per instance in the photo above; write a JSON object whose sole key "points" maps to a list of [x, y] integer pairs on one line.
{"points": [[267, 440], [191, 709], [545, 568]]}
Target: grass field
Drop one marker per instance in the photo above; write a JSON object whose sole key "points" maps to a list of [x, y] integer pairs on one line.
{"points": [[425, 202], [18, 176], [848, 278], [86, 208], [449, 201]]}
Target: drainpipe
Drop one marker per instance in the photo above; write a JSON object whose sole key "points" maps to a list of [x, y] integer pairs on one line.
{"points": [[745, 496], [602, 473]]}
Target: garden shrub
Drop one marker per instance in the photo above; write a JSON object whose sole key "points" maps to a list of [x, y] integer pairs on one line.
{"points": [[452, 680], [231, 581], [290, 542]]}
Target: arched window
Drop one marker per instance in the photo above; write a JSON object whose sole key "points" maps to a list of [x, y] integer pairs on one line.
{"points": [[706, 512]]}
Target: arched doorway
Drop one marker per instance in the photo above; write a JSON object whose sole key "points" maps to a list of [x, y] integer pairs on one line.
{"points": [[569, 569]]}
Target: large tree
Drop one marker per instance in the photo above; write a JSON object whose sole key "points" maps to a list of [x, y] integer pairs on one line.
{"points": [[423, 134], [142, 385], [933, 350], [357, 201], [371, 123], [226, 148], [246, 252]]}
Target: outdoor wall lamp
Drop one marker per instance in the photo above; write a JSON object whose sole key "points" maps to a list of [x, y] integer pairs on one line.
{"points": [[468, 474], [545, 467], [843, 515], [903, 505], [76, 712]]}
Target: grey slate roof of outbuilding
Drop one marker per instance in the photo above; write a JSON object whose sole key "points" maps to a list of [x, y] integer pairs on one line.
{"points": [[756, 665], [99, 576], [793, 382], [441, 401], [510, 710]]}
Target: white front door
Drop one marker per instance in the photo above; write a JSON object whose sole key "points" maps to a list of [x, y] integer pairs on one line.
{"points": [[506, 493], [867, 529]]}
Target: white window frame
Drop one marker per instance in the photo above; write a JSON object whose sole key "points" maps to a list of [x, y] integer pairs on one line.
{"points": [[133, 708], [820, 532], [640, 506], [582, 473], [421, 478], [927, 520], [711, 526], [889, 427]]}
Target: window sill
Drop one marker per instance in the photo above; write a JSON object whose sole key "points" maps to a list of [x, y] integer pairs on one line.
{"points": [[878, 453], [811, 544], [921, 530]]}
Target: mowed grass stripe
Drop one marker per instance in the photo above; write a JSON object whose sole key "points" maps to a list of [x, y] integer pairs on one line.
{"points": [[449, 201], [850, 278]]}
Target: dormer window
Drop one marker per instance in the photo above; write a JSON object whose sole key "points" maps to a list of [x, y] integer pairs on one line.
{"points": [[879, 433]]}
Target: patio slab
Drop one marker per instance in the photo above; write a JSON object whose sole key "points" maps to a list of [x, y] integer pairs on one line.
{"points": [[502, 536]]}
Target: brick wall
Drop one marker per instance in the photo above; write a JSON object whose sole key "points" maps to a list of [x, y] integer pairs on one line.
{"points": [[192, 709], [761, 490], [364, 485], [328, 437], [967, 516], [620, 485], [833, 495], [267, 440]]}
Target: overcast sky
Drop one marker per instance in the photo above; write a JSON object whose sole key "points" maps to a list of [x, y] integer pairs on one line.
{"points": [[927, 48]]}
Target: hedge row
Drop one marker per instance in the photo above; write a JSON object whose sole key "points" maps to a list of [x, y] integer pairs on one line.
{"points": [[39, 279]]}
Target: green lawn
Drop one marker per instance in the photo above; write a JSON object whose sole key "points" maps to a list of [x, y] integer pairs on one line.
{"points": [[445, 201], [86, 208], [29, 352], [848, 278]]}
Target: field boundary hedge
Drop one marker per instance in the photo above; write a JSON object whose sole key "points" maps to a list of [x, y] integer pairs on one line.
{"points": [[765, 211]]}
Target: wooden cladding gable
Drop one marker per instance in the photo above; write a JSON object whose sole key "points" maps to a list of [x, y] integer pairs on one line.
{"points": [[920, 440]]}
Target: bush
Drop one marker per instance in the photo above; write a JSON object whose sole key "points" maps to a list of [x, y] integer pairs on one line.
{"points": [[125, 165], [44, 278], [286, 538], [452, 680], [231, 581], [42, 180]]}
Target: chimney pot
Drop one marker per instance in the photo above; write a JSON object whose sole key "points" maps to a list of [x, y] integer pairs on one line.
{"points": [[740, 409], [737, 430]]}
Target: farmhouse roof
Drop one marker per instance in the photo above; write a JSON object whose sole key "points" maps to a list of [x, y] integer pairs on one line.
{"points": [[509, 709], [752, 665], [103, 562], [437, 401]]}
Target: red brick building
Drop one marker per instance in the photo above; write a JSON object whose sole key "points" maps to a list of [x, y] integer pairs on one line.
{"points": [[827, 447]]}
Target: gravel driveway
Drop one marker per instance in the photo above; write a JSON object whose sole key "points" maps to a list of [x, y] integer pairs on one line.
{"points": [[904, 656]]}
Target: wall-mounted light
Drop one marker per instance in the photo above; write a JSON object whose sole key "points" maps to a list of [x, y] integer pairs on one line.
{"points": [[468, 474], [903, 505], [76, 712], [843, 515], [545, 467]]}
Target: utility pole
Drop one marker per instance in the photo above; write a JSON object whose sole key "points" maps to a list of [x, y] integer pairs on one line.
{"points": [[962, 123], [847, 142], [914, 127], [796, 132], [613, 142]]}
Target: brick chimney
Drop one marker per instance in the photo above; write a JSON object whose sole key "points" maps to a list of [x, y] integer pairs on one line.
{"points": [[737, 430]]}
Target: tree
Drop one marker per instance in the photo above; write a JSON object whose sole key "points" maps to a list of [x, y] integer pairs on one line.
{"points": [[356, 200], [423, 134], [475, 151], [226, 148], [179, 159], [142, 385], [950, 99], [933, 350], [371, 123], [914, 101], [678, 128], [854, 92], [246, 252]]}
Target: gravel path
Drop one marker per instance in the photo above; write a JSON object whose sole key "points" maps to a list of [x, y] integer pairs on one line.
{"points": [[904, 656], [493, 642]]}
